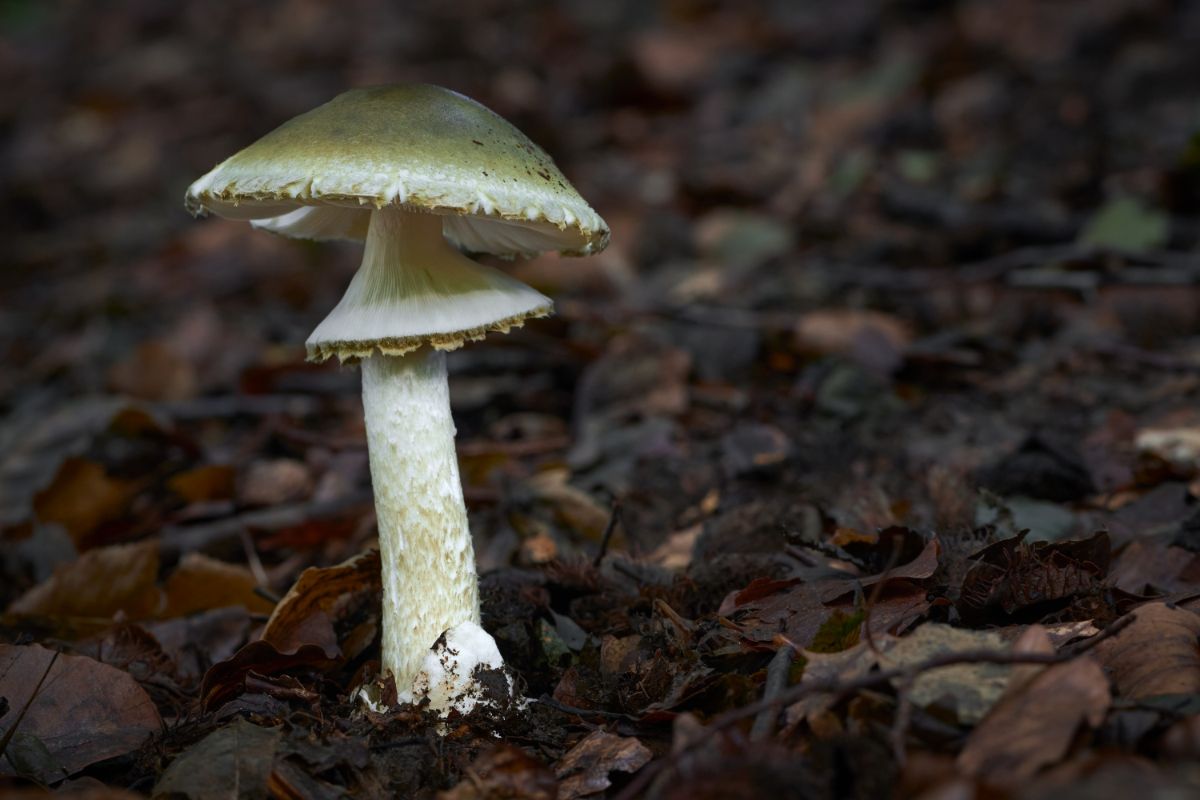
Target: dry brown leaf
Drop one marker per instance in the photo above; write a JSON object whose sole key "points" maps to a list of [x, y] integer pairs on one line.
{"points": [[504, 771], [82, 496], [275, 482], [233, 761], [98, 584], [972, 688], [84, 712], [154, 371], [322, 598], [1156, 654], [202, 484], [835, 330], [201, 583], [847, 665], [1034, 724], [577, 509], [584, 769]]}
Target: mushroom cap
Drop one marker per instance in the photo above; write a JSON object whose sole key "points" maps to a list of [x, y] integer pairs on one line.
{"points": [[416, 146]]}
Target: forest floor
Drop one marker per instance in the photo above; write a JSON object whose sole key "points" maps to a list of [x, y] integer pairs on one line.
{"points": [[864, 462]]}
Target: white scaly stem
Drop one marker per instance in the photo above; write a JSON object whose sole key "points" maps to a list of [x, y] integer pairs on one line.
{"points": [[413, 297], [429, 581]]}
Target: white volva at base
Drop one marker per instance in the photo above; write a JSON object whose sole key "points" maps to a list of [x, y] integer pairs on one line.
{"points": [[447, 674], [429, 580]]}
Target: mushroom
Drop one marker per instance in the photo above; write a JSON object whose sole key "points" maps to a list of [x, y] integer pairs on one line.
{"points": [[411, 169]]}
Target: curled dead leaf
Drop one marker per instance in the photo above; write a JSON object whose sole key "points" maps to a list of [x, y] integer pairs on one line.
{"points": [[1034, 724], [505, 771], [334, 608], [584, 769]]}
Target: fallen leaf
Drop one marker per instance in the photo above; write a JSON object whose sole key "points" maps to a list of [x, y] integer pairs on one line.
{"points": [[1013, 575], [196, 642], [203, 484], [201, 583], [227, 679], [575, 507], [326, 605], [1157, 654], [584, 769], [972, 688], [1035, 722], [505, 771], [874, 339], [35, 446], [920, 568], [275, 482], [1178, 446], [154, 371], [1126, 223], [83, 496], [752, 448], [847, 665], [99, 584], [85, 711], [231, 762]]}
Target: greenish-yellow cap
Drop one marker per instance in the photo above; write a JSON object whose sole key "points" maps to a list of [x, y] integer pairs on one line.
{"points": [[420, 147]]}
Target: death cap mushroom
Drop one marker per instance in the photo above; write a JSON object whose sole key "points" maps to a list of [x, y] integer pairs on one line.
{"points": [[406, 168]]}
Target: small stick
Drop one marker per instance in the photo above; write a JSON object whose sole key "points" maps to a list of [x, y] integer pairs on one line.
{"points": [[256, 565], [550, 702], [613, 518], [777, 680]]}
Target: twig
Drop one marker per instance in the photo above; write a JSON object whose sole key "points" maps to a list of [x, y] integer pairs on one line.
{"points": [[550, 702], [900, 725], [613, 518], [237, 405], [777, 680], [256, 565], [840, 687], [178, 539], [877, 590]]}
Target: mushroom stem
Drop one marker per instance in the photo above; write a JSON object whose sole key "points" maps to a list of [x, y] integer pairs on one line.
{"points": [[429, 581]]}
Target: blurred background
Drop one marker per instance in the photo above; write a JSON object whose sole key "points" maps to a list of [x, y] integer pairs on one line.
{"points": [[861, 251]]}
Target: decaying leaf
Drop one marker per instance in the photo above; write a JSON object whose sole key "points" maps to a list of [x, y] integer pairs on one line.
{"points": [[584, 769], [972, 689], [203, 484], [1013, 575], [82, 496], [201, 583], [505, 771], [227, 679], [798, 610], [326, 607], [233, 761], [1159, 653], [100, 583], [1035, 722], [84, 712]]}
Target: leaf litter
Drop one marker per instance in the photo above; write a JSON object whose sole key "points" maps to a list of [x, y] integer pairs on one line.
{"points": [[864, 462]]}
